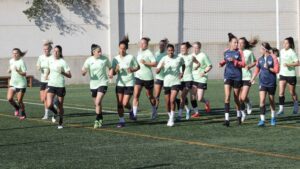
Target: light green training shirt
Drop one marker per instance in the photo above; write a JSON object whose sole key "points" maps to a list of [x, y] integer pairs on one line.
{"points": [[97, 69], [159, 56], [17, 80], [43, 64], [249, 59], [125, 78], [205, 62], [287, 57], [145, 72], [56, 67], [172, 69]]}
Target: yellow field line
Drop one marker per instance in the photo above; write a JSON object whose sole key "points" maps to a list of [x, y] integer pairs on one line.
{"points": [[196, 143]]}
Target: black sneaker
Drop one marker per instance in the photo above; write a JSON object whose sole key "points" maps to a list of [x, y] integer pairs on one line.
{"points": [[226, 123], [239, 120]]}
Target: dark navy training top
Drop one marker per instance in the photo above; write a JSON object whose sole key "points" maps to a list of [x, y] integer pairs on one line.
{"points": [[233, 69], [267, 78]]}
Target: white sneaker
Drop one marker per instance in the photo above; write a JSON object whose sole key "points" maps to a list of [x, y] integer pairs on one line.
{"points": [[53, 118], [170, 123], [243, 118], [249, 107], [60, 127], [45, 117]]}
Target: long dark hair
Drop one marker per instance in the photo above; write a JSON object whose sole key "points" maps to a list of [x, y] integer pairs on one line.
{"points": [[186, 44], [60, 50], [267, 46], [94, 47], [250, 44], [231, 36], [21, 53], [124, 41], [146, 39], [291, 42]]}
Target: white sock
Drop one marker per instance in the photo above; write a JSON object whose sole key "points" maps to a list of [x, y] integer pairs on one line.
{"points": [[134, 109], [122, 120], [243, 113], [280, 108], [262, 117], [172, 114], [46, 112], [238, 113], [272, 114], [169, 114], [153, 109], [179, 112], [227, 116], [187, 108]]}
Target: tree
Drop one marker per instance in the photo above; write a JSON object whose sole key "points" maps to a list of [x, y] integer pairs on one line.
{"points": [[47, 13]]}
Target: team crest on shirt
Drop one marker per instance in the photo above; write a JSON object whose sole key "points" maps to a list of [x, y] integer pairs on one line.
{"points": [[270, 62], [236, 56]]}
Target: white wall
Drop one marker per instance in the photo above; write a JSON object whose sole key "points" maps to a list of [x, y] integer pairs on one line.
{"points": [[17, 31]]}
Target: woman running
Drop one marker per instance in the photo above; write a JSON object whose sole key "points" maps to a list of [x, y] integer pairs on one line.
{"points": [[267, 67], [234, 61], [200, 78], [58, 70], [187, 79], [159, 78], [18, 82], [96, 65], [43, 66], [124, 65], [287, 76], [171, 66], [250, 61], [144, 78]]}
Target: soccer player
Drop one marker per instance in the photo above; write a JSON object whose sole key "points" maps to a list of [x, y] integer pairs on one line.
{"points": [[144, 77], [17, 83], [159, 78], [267, 67], [58, 70], [287, 76], [250, 61], [200, 78], [124, 65], [96, 66], [171, 66], [187, 79], [43, 66], [234, 61]]}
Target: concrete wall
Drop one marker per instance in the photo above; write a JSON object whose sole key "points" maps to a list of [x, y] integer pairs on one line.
{"points": [[207, 21]]}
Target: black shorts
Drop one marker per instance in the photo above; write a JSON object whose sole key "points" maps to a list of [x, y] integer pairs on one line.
{"points": [[200, 85], [101, 89], [233, 83], [167, 90], [269, 90], [43, 86], [159, 82], [124, 90], [59, 91], [18, 90], [186, 85], [148, 84], [291, 80], [247, 83]]}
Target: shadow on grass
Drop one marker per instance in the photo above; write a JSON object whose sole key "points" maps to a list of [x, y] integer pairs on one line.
{"points": [[153, 166], [21, 128], [25, 143]]}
